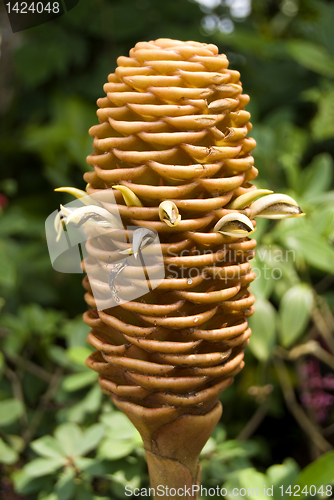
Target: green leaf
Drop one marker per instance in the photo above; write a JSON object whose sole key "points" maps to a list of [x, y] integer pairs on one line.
{"points": [[129, 475], [43, 466], [7, 454], [90, 404], [92, 466], [69, 437], [284, 474], [119, 426], [76, 332], [91, 438], [46, 496], [318, 473], [263, 325], [114, 449], [41, 320], [47, 446], [312, 56], [79, 380], [253, 481], [323, 221], [81, 492], [65, 486], [58, 355], [314, 248], [10, 411], [78, 354], [25, 485], [317, 177], [234, 449], [263, 285], [294, 313]]}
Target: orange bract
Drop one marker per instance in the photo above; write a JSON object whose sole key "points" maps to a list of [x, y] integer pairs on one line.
{"points": [[173, 127]]}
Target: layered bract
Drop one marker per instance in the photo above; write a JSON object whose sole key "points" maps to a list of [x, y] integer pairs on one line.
{"points": [[173, 126]]}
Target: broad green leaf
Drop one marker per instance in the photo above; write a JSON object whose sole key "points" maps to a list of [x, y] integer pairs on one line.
{"points": [[253, 482], [234, 449], [10, 411], [76, 332], [209, 448], [263, 285], [78, 354], [69, 437], [317, 177], [284, 474], [320, 472], [118, 426], [47, 446], [43, 466], [315, 249], [263, 325], [41, 320], [294, 313], [129, 476], [92, 466], [90, 404], [323, 221], [91, 438], [7, 454], [58, 355], [65, 486], [312, 56], [25, 485], [79, 380], [114, 449], [82, 493], [45, 495]]}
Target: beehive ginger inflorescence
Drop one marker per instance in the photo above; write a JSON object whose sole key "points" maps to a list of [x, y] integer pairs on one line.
{"points": [[173, 127], [172, 145]]}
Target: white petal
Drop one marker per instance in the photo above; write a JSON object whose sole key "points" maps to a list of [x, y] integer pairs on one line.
{"points": [[226, 223], [262, 207]]}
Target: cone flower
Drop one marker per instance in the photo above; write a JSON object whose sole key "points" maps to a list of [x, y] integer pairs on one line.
{"points": [[172, 143]]}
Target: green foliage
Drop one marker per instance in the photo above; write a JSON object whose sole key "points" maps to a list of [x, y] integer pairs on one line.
{"points": [[294, 313], [60, 437], [276, 480], [318, 473], [263, 325]]}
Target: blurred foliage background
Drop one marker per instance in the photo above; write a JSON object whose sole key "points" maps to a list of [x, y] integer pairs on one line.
{"points": [[60, 438]]}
